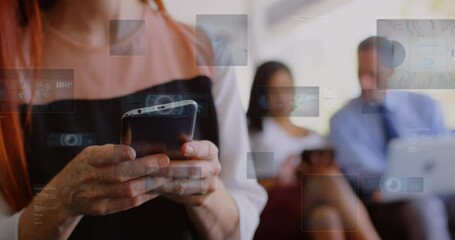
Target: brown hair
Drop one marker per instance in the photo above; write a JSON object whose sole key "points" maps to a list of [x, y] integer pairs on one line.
{"points": [[256, 112]]}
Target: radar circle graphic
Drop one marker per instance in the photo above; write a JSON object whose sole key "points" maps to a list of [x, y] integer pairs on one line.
{"points": [[392, 54], [392, 185], [43, 89], [70, 140], [159, 99]]}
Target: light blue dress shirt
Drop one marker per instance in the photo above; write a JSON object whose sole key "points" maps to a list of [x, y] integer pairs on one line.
{"points": [[358, 136]]}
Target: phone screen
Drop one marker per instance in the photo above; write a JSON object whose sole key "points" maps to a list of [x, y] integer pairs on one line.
{"points": [[160, 131]]}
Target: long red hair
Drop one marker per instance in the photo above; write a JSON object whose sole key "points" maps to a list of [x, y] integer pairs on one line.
{"points": [[14, 16]]}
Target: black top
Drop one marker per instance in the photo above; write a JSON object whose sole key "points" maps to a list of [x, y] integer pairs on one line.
{"points": [[62, 129]]}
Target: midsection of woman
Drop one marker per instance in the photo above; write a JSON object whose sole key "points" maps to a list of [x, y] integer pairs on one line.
{"points": [[154, 63], [104, 87], [294, 209], [57, 138], [283, 146]]}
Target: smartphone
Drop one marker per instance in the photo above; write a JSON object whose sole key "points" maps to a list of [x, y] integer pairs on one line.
{"points": [[160, 129], [306, 154]]}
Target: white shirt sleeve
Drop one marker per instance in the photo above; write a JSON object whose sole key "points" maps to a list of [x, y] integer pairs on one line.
{"points": [[234, 146], [9, 224]]}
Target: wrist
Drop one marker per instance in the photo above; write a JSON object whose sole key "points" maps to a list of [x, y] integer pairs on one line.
{"points": [[64, 215], [205, 201], [46, 218], [62, 211], [219, 218], [51, 201]]}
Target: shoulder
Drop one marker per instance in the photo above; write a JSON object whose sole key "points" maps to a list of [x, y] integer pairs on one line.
{"points": [[415, 100], [420, 98], [201, 40], [316, 140], [267, 138], [261, 142], [180, 34]]}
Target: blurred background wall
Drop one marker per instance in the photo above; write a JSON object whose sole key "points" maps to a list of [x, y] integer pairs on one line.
{"points": [[318, 40]]}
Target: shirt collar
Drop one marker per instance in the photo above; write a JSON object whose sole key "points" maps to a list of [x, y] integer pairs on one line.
{"points": [[391, 102]]}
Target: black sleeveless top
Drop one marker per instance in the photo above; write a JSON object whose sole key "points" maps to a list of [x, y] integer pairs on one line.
{"points": [[62, 129]]}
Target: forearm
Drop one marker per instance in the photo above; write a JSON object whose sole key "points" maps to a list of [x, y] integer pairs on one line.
{"points": [[46, 218], [219, 218]]}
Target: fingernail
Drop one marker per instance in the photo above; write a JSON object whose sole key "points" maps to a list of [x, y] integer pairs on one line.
{"points": [[189, 150], [128, 154], [163, 161]]}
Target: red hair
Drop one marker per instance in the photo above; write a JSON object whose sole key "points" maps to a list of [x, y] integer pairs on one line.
{"points": [[14, 16]]}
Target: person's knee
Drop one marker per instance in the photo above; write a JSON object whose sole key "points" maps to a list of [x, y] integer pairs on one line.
{"points": [[325, 218]]}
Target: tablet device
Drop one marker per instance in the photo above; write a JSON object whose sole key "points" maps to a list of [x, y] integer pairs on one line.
{"points": [[418, 167]]}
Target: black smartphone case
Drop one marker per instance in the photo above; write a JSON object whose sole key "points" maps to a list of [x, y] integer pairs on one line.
{"points": [[161, 131]]}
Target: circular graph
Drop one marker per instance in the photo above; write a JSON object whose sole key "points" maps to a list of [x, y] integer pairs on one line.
{"points": [[392, 185], [70, 140], [159, 99], [392, 54]]}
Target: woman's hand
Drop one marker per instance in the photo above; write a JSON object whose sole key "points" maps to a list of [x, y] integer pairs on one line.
{"points": [[321, 163], [320, 176], [100, 180], [196, 179], [108, 179], [195, 184]]}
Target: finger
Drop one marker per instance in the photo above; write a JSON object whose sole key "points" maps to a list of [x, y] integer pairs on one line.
{"points": [[314, 158], [127, 189], [303, 167], [326, 159], [189, 186], [320, 161], [200, 150], [193, 200], [108, 154], [109, 206], [133, 169], [195, 169]]}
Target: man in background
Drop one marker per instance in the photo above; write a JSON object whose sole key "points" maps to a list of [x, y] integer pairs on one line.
{"points": [[361, 131]]}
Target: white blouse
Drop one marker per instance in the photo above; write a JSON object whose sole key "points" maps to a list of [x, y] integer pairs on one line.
{"points": [[276, 146]]}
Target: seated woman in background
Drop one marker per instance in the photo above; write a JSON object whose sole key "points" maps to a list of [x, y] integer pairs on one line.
{"points": [[330, 208]]}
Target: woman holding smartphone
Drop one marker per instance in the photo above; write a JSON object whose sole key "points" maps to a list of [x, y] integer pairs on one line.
{"points": [[306, 199], [64, 176]]}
